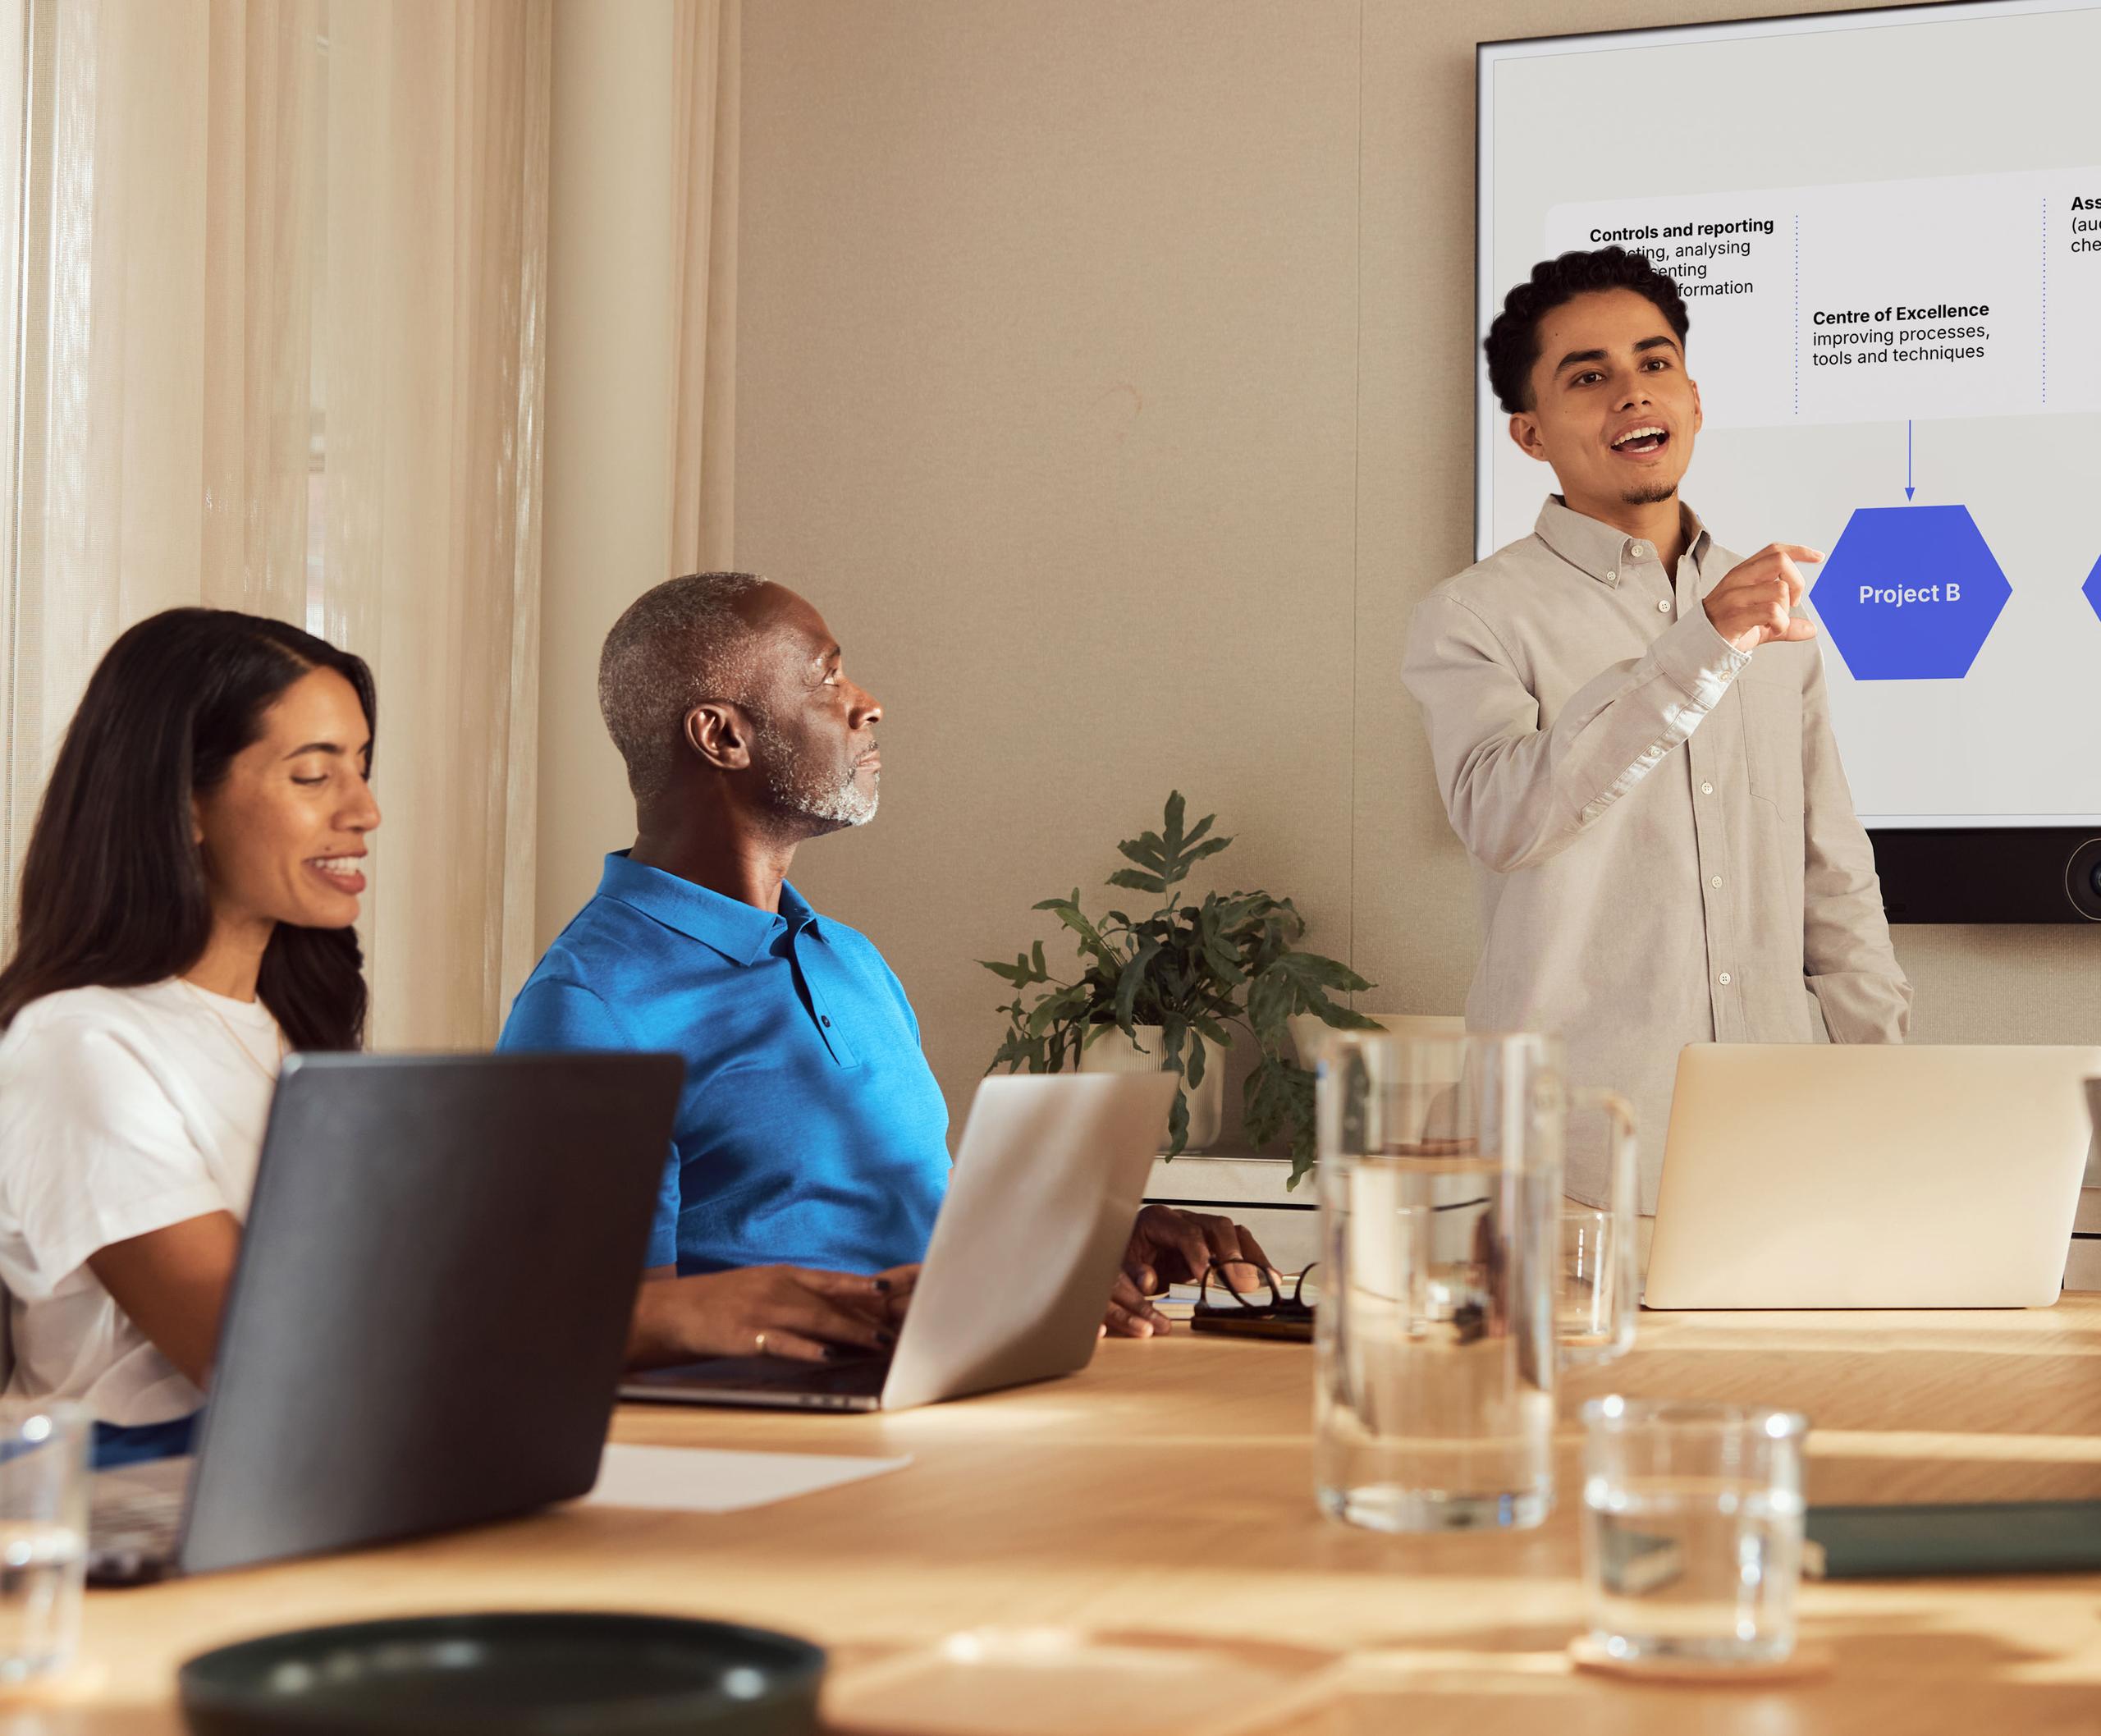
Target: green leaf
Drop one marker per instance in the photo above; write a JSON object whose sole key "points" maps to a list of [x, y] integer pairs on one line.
{"points": [[1067, 1005], [1172, 1034], [1073, 918], [1272, 998], [1342, 1018], [1092, 1034], [1265, 1101], [1173, 850], [1024, 971], [1139, 883], [1225, 966], [1146, 849], [1133, 979], [1310, 968]]}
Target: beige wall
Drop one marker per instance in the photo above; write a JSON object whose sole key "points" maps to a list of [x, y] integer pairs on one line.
{"points": [[1105, 374], [607, 527]]}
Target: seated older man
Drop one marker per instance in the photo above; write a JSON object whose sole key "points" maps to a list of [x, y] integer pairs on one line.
{"points": [[811, 1128]]}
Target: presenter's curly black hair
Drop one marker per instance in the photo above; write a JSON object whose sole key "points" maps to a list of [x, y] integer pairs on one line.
{"points": [[1512, 343]]}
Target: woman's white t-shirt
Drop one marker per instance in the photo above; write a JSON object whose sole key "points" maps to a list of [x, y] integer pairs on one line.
{"points": [[122, 1110]]}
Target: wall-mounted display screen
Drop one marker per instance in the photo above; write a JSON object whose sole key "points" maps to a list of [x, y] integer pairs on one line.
{"points": [[1887, 227]]}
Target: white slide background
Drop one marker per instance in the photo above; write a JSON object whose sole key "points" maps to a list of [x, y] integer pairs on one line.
{"points": [[1860, 164]]}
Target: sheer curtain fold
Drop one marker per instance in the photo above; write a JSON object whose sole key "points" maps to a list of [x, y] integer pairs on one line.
{"points": [[282, 335], [706, 51], [438, 134], [281, 343], [258, 430]]}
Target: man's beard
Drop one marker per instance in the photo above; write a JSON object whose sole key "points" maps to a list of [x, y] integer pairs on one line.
{"points": [[816, 792], [1654, 494]]}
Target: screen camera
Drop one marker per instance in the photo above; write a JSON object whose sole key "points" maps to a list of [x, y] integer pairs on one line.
{"points": [[2083, 880]]}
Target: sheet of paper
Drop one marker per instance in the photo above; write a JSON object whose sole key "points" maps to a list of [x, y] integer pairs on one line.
{"points": [[702, 1480]]}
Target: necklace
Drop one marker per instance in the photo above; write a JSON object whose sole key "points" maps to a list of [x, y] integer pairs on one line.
{"points": [[239, 1042]]}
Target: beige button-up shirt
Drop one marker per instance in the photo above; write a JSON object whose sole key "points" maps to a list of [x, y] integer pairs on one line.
{"points": [[1664, 845]]}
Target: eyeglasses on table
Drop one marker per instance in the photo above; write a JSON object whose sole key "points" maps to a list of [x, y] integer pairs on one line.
{"points": [[1270, 1305]]}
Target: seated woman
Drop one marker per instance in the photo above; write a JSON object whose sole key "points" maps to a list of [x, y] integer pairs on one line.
{"points": [[187, 909]]}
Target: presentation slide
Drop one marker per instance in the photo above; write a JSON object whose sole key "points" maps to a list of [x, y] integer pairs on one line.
{"points": [[1887, 227]]}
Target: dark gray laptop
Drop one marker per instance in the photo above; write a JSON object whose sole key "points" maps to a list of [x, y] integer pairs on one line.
{"points": [[429, 1314]]}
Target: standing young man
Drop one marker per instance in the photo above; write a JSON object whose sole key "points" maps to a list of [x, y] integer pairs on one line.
{"points": [[1632, 732]]}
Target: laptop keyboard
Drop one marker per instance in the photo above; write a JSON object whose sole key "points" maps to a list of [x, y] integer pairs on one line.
{"points": [[134, 1519], [862, 1377]]}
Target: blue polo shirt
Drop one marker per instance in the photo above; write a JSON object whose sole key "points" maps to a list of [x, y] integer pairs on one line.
{"points": [[810, 1131]]}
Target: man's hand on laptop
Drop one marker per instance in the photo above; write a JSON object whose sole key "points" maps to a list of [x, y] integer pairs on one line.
{"points": [[1170, 1246], [784, 1310]]}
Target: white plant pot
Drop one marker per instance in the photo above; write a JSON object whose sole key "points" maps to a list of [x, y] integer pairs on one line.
{"points": [[1111, 1052], [1310, 1032]]}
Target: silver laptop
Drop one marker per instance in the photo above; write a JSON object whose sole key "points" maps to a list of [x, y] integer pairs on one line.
{"points": [[1865, 1176], [1048, 1180], [429, 1315]]}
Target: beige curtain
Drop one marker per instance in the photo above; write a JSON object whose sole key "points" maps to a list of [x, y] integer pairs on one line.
{"points": [[704, 62], [283, 336]]}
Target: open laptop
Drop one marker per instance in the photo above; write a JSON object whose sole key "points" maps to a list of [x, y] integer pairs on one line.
{"points": [[1869, 1176], [430, 1312], [1049, 1175]]}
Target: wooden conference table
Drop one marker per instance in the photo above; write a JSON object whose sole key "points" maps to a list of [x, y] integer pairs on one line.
{"points": [[1165, 1491]]}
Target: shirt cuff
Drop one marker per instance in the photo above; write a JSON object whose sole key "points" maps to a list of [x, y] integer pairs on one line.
{"points": [[1698, 659]]}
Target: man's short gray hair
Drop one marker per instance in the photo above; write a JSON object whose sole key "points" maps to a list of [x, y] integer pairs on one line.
{"points": [[676, 646]]}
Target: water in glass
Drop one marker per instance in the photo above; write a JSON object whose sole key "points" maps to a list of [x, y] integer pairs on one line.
{"points": [[1440, 1181], [1695, 1570], [41, 1564], [1692, 1530]]}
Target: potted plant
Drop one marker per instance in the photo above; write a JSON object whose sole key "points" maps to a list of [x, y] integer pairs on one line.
{"points": [[1191, 971]]}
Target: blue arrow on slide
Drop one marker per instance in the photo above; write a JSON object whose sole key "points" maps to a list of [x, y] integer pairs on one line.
{"points": [[1908, 490]]}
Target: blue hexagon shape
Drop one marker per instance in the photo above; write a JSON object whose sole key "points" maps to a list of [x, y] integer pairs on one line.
{"points": [[1910, 593], [2091, 590]]}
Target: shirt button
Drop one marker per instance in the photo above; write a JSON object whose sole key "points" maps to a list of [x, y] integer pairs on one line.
{"points": [[1723, 979], [1663, 608], [1707, 789], [1614, 575], [1640, 551], [1716, 881], [826, 1023]]}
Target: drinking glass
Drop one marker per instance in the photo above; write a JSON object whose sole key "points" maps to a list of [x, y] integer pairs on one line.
{"points": [[1600, 1271], [1441, 1194], [44, 1530], [1692, 1530]]}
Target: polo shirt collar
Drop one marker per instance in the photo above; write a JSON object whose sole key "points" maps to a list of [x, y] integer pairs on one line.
{"points": [[1600, 549], [741, 933]]}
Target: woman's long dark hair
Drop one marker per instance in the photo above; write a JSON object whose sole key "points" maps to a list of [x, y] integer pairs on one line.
{"points": [[113, 887]]}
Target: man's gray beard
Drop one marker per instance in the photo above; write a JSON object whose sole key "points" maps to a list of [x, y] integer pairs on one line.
{"points": [[1653, 496], [809, 791]]}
